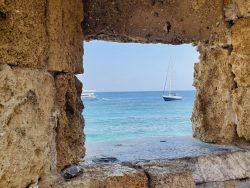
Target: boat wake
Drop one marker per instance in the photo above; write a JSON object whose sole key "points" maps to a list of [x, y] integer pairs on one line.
{"points": [[105, 99]]}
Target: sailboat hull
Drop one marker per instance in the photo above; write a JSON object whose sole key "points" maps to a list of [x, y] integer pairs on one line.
{"points": [[171, 98]]}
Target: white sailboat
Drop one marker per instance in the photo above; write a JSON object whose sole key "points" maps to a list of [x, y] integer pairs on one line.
{"points": [[170, 95]]}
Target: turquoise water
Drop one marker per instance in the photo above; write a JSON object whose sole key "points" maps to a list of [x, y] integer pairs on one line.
{"points": [[131, 115]]}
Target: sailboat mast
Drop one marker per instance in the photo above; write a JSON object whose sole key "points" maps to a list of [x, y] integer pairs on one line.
{"points": [[170, 84], [170, 77], [164, 89]]}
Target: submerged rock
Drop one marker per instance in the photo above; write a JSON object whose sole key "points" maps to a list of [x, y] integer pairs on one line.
{"points": [[105, 160]]}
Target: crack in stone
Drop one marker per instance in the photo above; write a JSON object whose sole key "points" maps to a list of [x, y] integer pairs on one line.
{"points": [[148, 178]]}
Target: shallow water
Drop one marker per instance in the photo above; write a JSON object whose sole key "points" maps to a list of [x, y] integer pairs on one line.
{"points": [[115, 116], [153, 148]]}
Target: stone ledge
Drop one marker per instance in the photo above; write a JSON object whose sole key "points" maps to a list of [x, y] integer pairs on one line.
{"points": [[209, 168], [221, 169]]}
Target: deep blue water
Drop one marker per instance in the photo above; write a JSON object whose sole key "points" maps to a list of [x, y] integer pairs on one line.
{"points": [[131, 115]]}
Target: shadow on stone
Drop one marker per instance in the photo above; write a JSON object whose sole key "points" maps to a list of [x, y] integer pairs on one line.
{"points": [[3, 16]]}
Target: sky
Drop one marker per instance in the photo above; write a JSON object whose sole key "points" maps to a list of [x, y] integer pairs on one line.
{"points": [[112, 66]]}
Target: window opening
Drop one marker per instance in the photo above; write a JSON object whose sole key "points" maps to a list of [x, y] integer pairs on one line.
{"points": [[127, 80]]}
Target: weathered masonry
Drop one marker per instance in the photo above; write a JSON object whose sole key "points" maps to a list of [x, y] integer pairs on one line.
{"points": [[41, 49]]}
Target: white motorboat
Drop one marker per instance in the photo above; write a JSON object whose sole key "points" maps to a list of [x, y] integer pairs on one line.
{"points": [[88, 94]]}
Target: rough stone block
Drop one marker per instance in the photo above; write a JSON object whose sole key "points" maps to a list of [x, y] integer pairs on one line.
{"points": [[109, 176], [235, 9], [243, 8], [226, 184], [240, 56], [241, 37], [65, 36], [240, 60], [69, 138], [172, 21], [42, 34], [164, 177], [197, 170], [220, 168], [166, 173], [213, 116], [27, 145], [23, 33], [241, 69], [241, 104]]}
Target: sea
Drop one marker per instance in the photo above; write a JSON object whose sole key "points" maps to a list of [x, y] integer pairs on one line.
{"points": [[117, 116]]}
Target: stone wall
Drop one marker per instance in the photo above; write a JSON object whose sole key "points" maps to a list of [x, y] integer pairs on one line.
{"points": [[221, 112], [41, 126]]}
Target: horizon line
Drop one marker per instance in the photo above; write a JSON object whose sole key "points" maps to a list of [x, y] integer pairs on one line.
{"points": [[141, 90]]}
